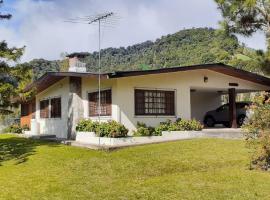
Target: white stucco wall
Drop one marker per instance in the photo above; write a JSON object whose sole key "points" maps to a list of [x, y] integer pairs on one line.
{"points": [[181, 82], [56, 126], [201, 102], [91, 85], [123, 109]]}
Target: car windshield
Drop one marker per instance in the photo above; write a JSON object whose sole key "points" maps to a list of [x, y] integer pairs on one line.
{"points": [[223, 107]]}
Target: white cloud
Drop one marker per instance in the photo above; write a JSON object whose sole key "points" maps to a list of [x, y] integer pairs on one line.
{"points": [[39, 24]]}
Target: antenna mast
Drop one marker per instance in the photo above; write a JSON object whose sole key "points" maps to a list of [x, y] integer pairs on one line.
{"points": [[102, 20]]}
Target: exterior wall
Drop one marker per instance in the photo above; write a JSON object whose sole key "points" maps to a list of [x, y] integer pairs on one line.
{"points": [[75, 108], [181, 82], [91, 85], [56, 126], [123, 109], [201, 102]]}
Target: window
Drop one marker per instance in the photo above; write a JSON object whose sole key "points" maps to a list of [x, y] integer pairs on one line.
{"points": [[44, 108], [105, 103], [24, 110], [50, 108], [56, 108], [223, 108], [154, 102]]}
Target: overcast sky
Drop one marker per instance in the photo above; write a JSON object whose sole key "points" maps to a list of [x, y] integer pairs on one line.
{"points": [[40, 26]]}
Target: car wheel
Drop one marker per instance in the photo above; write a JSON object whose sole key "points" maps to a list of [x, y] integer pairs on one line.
{"points": [[240, 120], [209, 121]]}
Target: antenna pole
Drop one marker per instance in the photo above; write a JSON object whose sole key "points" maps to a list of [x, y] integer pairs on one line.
{"points": [[101, 19], [99, 71]]}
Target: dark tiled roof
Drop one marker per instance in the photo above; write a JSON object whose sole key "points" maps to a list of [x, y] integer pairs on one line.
{"points": [[52, 77]]}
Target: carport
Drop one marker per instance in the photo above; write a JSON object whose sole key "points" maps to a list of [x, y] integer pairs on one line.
{"points": [[207, 99], [220, 81]]}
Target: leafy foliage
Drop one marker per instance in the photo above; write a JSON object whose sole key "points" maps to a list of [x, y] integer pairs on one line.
{"points": [[104, 129], [41, 66], [257, 132], [144, 130], [178, 125], [14, 128], [246, 17], [186, 47], [8, 82], [4, 16]]}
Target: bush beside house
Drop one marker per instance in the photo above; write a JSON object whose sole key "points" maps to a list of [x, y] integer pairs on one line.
{"points": [[15, 128], [104, 129], [257, 132], [178, 125], [115, 130]]}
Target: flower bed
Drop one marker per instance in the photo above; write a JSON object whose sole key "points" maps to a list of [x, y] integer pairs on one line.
{"points": [[178, 125], [114, 134], [110, 129], [90, 138]]}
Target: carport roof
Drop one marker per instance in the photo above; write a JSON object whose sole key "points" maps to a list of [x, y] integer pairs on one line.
{"points": [[52, 77]]}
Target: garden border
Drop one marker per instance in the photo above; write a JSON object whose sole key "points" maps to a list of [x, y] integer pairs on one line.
{"points": [[91, 139]]}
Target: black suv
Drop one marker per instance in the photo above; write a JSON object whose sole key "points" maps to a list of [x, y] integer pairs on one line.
{"points": [[221, 115]]}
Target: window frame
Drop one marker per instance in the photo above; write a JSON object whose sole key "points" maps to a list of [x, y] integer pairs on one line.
{"points": [[53, 116], [40, 109], [171, 113], [109, 104], [50, 107], [25, 110]]}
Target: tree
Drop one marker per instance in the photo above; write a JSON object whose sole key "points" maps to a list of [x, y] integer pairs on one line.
{"points": [[4, 16], [8, 82], [246, 16], [257, 132]]}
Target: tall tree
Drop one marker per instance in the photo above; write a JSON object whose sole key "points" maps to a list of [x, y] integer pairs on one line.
{"points": [[4, 16], [8, 82], [247, 17]]}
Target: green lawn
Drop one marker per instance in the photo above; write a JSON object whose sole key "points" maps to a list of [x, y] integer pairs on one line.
{"points": [[191, 169]]}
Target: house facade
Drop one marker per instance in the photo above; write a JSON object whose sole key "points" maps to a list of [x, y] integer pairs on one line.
{"points": [[154, 96]]}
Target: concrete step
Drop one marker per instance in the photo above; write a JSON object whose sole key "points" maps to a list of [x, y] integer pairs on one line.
{"points": [[41, 137]]}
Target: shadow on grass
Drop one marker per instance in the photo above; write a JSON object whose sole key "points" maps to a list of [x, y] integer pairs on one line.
{"points": [[19, 149]]}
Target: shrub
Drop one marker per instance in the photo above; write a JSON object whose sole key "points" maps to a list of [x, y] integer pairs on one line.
{"points": [[257, 132], [87, 126], [188, 125], [178, 125], [104, 129], [14, 128], [143, 130], [25, 128], [164, 126]]}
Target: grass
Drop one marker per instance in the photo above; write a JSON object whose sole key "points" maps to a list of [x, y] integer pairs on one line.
{"points": [[191, 169]]}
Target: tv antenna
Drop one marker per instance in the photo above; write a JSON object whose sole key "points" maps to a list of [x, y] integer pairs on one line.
{"points": [[107, 19]]}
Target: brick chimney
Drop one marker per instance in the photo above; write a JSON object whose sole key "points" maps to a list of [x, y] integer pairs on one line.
{"points": [[75, 65]]}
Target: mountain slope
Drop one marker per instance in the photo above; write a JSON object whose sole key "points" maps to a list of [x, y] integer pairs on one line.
{"points": [[186, 47]]}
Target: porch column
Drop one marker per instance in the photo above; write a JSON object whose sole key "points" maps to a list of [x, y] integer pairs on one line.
{"points": [[232, 108], [75, 106]]}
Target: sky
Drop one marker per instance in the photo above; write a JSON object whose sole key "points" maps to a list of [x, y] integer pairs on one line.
{"points": [[40, 24]]}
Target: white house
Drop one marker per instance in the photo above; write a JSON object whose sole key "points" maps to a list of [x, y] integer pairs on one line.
{"points": [[128, 97]]}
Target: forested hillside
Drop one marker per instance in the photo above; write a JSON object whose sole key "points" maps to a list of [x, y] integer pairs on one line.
{"points": [[186, 47]]}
